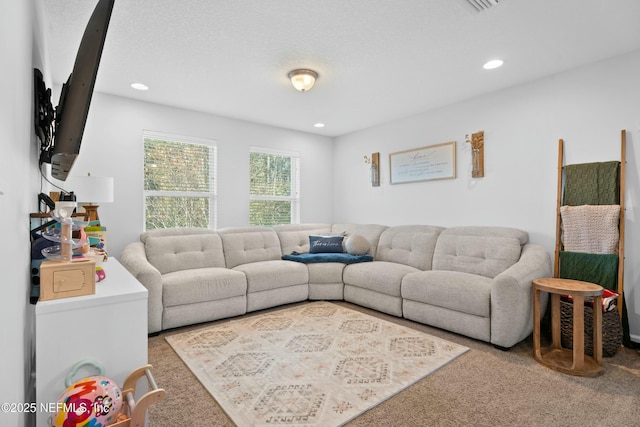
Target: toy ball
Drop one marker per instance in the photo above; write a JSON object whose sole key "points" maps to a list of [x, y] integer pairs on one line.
{"points": [[94, 401]]}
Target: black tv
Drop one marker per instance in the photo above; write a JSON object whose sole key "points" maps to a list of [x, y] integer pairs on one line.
{"points": [[75, 97]]}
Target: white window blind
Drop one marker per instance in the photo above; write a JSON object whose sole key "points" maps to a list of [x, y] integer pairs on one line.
{"points": [[274, 196], [180, 185]]}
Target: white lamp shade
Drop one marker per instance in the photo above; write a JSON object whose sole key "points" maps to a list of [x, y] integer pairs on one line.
{"points": [[90, 189]]}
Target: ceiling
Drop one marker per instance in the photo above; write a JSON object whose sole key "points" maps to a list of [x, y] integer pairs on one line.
{"points": [[377, 60]]}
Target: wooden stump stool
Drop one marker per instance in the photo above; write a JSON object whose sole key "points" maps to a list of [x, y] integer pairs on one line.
{"points": [[572, 362]]}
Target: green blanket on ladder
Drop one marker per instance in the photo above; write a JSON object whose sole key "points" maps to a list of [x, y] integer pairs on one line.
{"points": [[592, 184], [601, 269]]}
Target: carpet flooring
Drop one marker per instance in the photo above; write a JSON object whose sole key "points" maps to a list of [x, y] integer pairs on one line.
{"points": [[484, 387], [319, 364]]}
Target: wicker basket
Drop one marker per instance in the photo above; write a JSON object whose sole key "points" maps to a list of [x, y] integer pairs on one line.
{"points": [[611, 329]]}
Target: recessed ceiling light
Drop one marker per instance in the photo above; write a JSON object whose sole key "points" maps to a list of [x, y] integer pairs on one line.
{"points": [[494, 63], [139, 86], [319, 125]]}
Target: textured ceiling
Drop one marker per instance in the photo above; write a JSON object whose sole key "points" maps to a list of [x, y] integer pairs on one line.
{"points": [[378, 60]]}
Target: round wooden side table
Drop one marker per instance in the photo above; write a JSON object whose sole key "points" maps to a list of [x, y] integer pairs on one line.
{"points": [[572, 362]]}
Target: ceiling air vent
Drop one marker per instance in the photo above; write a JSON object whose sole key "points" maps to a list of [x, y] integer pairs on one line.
{"points": [[482, 5]]}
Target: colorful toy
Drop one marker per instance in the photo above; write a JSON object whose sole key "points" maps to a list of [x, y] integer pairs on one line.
{"points": [[94, 401], [100, 274]]}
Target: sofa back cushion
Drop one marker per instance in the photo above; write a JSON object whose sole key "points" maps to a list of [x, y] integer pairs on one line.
{"points": [[486, 251], [412, 245], [295, 237], [371, 232], [249, 244], [174, 253], [175, 231]]}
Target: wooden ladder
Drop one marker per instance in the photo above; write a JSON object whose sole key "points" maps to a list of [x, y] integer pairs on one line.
{"points": [[558, 247]]}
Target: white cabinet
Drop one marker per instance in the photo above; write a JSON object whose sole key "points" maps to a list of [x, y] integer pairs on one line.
{"points": [[109, 327]]}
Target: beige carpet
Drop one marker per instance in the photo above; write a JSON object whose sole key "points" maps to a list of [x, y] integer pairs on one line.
{"points": [[317, 364], [485, 387]]}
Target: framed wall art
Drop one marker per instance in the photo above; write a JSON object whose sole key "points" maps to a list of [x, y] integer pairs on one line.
{"points": [[423, 164]]}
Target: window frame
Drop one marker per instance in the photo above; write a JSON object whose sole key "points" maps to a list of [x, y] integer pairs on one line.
{"points": [[294, 198], [212, 194]]}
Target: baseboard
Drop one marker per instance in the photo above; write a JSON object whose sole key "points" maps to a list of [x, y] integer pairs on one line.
{"points": [[635, 341]]}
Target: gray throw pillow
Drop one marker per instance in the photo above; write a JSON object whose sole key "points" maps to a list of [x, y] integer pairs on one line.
{"points": [[357, 245]]}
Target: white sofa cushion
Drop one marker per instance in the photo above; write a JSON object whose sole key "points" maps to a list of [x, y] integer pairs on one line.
{"points": [[371, 232], [186, 252], [295, 237], [266, 275], [200, 285], [411, 245], [462, 292], [325, 272], [486, 251], [249, 244], [174, 231], [379, 276]]}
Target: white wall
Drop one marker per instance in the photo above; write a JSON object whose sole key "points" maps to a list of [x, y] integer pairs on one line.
{"points": [[587, 107], [112, 146], [20, 50]]}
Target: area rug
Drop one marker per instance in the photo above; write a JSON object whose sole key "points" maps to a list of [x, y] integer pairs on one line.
{"points": [[316, 364]]}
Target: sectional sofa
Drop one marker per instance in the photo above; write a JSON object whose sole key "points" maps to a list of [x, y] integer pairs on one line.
{"points": [[471, 280]]}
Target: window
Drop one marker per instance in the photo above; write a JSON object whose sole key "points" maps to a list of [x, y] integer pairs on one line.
{"points": [[179, 181], [274, 196]]}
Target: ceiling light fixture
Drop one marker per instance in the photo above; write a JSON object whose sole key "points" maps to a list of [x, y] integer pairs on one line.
{"points": [[303, 79], [139, 86], [319, 125], [494, 63]]}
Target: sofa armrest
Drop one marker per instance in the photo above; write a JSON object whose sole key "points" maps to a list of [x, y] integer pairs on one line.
{"points": [[134, 259], [512, 296]]}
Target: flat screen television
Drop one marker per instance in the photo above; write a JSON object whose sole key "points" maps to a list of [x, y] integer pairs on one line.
{"points": [[75, 97]]}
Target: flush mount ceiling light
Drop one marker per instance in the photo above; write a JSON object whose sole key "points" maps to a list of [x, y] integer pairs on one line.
{"points": [[303, 79], [494, 63]]}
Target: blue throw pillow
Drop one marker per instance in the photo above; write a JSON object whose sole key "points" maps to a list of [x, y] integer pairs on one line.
{"points": [[325, 244]]}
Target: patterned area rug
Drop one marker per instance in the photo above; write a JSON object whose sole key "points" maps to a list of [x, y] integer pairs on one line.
{"points": [[317, 364]]}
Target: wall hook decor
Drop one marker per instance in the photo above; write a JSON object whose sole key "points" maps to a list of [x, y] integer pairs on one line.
{"points": [[374, 168], [477, 153]]}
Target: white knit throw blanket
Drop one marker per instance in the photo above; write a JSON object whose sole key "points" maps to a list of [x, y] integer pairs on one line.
{"points": [[591, 229]]}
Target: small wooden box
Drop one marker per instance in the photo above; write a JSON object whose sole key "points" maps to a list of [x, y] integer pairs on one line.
{"points": [[67, 279]]}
